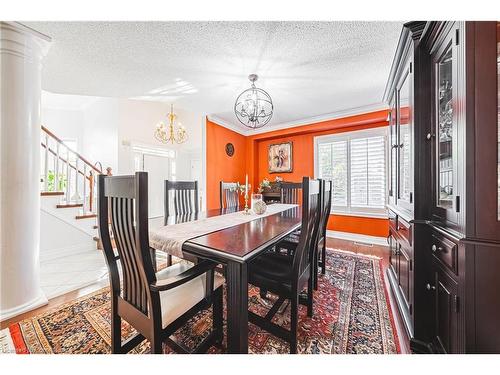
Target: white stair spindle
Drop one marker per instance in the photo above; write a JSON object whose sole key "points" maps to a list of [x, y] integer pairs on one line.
{"points": [[46, 166], [68, 177], [76, 180], [56, 169], [84, 188]]}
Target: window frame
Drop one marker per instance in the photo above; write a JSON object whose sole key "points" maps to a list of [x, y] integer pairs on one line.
{"points": [[348, 136]]}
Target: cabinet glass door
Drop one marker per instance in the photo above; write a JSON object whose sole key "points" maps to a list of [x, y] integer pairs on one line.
{"points": [[445, 131], [404, 141], [393, 142]]}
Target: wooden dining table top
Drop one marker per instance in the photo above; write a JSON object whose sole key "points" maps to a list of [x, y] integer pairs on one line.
{"points": [[242, 241]]}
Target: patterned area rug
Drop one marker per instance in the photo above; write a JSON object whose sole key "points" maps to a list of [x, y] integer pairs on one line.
{"points": [[351, 315]]}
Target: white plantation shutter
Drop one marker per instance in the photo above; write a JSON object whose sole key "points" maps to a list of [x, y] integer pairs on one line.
{"points": [[332, 158], [339, 178], [359, 172], [356, 164], [368, 172], [376, 172]]}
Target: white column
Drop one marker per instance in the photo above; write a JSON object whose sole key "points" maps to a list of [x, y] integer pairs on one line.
{"points": [[21, 52]]}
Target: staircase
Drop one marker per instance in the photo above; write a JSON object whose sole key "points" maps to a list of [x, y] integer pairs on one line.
{"points": [[68, 187]]}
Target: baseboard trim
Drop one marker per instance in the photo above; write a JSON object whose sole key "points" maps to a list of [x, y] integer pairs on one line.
{"points": [[41, 300], [51, 254], [363, 238]]}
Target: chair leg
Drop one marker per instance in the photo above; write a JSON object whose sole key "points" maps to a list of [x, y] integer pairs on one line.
{"points": [[169, 260], [263, 293], [116, 333], [156, 345], [310, 292], [293, 323], [217, 316], [323, 257], [315, 269], [152, 252]]}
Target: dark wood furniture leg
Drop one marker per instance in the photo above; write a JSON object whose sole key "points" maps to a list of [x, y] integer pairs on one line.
{"points": [[323, 257], [153, 259], [237, 307]]}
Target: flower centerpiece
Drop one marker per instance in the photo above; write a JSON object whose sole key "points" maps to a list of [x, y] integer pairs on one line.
{"points": [[266, 184]]}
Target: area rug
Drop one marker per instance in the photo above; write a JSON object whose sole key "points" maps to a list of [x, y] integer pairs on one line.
{"points": [[351, 316]]}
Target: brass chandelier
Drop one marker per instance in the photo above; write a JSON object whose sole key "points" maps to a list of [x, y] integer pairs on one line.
{"points": [[169, 133]]}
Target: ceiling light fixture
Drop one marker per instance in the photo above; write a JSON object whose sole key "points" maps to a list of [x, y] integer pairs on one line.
{"points": [[168, 133], [254, 107]]}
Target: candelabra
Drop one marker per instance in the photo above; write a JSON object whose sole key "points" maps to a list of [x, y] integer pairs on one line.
{"points": [[246, 210]]}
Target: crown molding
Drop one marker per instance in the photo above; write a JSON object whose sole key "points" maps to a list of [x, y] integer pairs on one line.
{"points": [[306, 121], [322, 118], [227, 125]]}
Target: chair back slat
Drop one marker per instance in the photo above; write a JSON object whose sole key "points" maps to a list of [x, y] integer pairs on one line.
{"points": [[183, 196], [326, 208], [123, 203], [290, 192], [311, 203], [229, 197]]}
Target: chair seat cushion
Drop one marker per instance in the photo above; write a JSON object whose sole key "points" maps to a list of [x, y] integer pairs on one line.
{"points": [[271, 270], [177, 301]]}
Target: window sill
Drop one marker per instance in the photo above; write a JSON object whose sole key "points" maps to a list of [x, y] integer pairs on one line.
{"points": [[373, 215]]}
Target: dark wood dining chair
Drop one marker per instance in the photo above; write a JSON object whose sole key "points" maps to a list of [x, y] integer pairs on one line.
{"points": [[290, 192], [286, 276], [184, 198], [155, 304], [291, 242], [229, 197], [327, 207]]}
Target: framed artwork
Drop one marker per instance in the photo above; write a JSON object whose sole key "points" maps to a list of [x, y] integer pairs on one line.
{"points": [[280, 157]]}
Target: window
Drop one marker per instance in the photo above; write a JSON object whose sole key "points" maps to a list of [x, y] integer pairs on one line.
{"points": [[356, 164]]}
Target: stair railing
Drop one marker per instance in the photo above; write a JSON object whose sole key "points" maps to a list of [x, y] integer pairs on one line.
{"points": [[66, 171]]}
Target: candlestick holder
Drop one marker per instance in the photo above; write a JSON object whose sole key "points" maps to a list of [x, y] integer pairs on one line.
{"points": [[246, 210]]}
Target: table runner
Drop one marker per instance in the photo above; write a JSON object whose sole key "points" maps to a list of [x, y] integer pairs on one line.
{"points": [[170, 238]]}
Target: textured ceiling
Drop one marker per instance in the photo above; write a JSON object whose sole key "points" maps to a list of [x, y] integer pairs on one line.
{"points": [[308, 68]]}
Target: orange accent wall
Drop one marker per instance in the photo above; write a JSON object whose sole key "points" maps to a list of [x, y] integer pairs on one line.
{"points": [[361, 225], [256, 164], [221, 167]]}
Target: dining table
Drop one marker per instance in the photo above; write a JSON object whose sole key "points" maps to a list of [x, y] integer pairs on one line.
{"points": [[234, 247]]}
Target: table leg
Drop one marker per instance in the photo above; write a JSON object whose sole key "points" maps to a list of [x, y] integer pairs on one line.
{"points": [[237, 307]]}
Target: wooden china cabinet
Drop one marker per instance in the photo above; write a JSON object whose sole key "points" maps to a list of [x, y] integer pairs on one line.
{"points": [[444, 185]]}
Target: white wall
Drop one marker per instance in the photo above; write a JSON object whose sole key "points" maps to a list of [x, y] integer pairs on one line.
{"points": [[100, 134], [105, 129], [137, 124], [66, 124]]}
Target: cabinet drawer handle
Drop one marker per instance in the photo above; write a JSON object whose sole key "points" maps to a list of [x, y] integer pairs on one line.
{"points": [[429, 287], [436, 248]]}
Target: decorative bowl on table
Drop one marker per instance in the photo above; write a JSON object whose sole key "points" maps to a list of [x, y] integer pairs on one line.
{"points": [[259, 207]]}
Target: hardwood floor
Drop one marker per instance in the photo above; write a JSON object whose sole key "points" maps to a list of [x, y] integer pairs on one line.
{"points": [[355, 247]]}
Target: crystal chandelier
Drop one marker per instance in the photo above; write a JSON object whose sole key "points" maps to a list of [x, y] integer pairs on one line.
{"points": [[254, 107], [168, 133]]}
